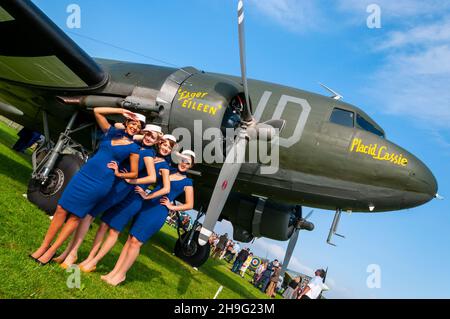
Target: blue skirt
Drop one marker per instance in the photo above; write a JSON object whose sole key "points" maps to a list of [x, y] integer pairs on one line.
{"points": [[118, 216], [84, 192], [119, 192], [149, 221]]}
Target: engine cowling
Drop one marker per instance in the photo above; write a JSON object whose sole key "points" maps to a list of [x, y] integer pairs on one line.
{"points": [[252, 217]]}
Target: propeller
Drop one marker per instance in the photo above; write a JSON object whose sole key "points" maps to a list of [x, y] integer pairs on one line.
{"points": [[249, 128], [300, 223]]}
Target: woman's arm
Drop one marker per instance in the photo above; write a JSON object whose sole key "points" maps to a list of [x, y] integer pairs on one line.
{"points": [[164, 190], [133, 173], [100, 117], [189, 194], [151, 173]]}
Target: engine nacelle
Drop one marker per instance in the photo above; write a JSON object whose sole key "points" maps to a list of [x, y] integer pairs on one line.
{"points": [[252, 217]]}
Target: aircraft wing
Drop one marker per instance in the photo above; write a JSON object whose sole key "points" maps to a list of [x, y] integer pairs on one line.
{"points": [[34, 51]]}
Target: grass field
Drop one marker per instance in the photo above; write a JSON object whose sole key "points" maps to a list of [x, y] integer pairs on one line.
{"points": [[156, 274]]}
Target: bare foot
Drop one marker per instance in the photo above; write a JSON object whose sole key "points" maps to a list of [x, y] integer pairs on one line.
{"points": [[39, 252], [85, 262], [88, 267], [107, 276], [116, 280], [70, 260]]}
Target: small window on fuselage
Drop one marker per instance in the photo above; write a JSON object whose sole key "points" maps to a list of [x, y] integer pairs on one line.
{"points": [[367, 126], [342, 117]]}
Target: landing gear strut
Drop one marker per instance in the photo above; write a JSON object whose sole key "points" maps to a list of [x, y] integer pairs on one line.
{"points": [[187, 247], [54, 165]]}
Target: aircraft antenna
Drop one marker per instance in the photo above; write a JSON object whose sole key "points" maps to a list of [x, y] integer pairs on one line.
{"points": [[335, 96]]}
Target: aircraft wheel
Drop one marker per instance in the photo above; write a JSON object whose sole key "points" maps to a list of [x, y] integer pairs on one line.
{"points": [[194, 254], [46, 196]]}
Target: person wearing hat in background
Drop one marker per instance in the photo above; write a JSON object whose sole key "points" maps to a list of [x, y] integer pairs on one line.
{"points": [[152, 216], [120, 190], [94, 180], [315, 286], [117, 217]]}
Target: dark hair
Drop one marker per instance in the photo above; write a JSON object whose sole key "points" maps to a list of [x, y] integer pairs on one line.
{"points": [[321, 272]]}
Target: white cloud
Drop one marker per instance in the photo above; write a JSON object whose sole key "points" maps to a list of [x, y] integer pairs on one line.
{"points": [[295, 15], [396, 9], [415, 77], [423, 35]]}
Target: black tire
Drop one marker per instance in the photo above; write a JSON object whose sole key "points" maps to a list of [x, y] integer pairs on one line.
{"points": [[195, 255], [46, 196]]}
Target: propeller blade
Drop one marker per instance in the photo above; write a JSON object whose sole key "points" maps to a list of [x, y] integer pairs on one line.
{"points": [[224, 184], [241, 18], [309, 214], [289, 251]]}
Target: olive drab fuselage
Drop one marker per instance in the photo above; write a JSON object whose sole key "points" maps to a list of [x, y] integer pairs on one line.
{"points": [[321, 163]]}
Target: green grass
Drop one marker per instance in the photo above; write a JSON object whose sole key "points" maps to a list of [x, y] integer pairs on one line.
{"points": [[156, 274]]}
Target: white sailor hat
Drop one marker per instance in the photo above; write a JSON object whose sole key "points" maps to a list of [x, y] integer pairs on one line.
{"points": [[188, 153], [152, 128], [170, 138], [140, 117]]}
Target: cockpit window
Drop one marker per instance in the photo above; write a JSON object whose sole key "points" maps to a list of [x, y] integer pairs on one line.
{"points": [[342, 117], [367, 126]]}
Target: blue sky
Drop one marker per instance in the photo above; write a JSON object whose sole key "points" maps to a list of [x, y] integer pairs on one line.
{"points": [[399, 74]]}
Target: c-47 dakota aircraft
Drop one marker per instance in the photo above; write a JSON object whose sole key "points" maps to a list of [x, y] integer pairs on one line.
{"points": [[332, 155]]}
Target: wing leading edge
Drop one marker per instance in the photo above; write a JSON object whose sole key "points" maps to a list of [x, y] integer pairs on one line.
{"points": [[34, 51]]}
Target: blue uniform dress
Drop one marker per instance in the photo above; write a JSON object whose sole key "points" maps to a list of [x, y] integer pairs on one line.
{"points": [[94, 180], [118, 216], [121, 188], [153, 215]]}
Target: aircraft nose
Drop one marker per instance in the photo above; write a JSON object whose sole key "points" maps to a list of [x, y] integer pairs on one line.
{"points": [[423, 180]]}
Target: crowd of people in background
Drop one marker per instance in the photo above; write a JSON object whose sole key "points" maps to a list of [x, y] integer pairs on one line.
{"points": [[181, 219], [266, 275]]}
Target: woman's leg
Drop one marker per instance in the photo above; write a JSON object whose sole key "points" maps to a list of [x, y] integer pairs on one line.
{"points": [[105, 248], [99, 236], [70, 226], [119, 262], [80, 233], [58, 220], [132, 254], [60, 258]]}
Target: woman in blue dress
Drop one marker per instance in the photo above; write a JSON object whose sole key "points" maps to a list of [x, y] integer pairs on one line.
{"points": [[146, 168], [94, 180], [116, 218], [152, 217]]}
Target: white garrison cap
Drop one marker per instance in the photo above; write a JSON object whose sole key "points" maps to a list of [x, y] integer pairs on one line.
{"points": [[140, 117], [188, 153], [170, 138], [152, 128]]}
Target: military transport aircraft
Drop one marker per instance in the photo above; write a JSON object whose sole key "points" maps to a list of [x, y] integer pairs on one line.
{"points": [[332, 154]]}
